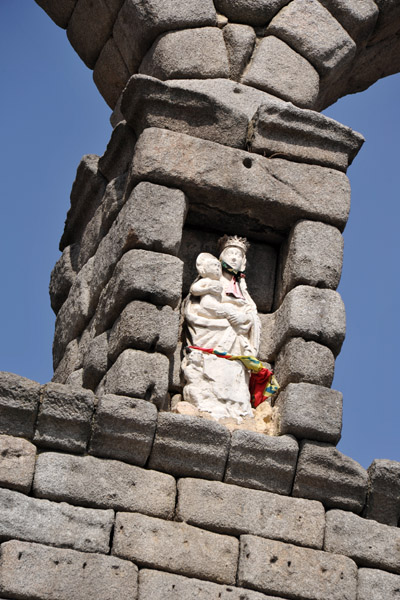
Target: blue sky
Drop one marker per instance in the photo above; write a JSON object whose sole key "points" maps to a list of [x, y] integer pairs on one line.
{"points": [[52, 114]]}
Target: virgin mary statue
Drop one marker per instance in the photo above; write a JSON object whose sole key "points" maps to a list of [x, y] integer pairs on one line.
{"points": [[221, 318]]}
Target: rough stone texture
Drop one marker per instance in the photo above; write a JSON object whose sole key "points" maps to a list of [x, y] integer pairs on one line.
{"points": [[186, 550], [306, 312], [313, 32], [323, 473], [34, 520], [19, 400], [139, 275], [118, 155], [292, 572], [303, 135], [123, 428], [60, 12], [86, 195], [95, 361], [110, 73], [260, 282], [383, 501], [75, 379], [91, 481], [358, 18], [239, 40], [63, 276], [311, 412], [90, 26], [236, 510], [145, 327], [198, 53], [369, 543], [376, 585], [313, 256], [70, 361], [75, 312], [17, 463], [35, 572], [190, 446], [304, 362], [139, 375], [157, 585], [276, 68], [262, 462], [253, 12], [65, 416], [217, 177], [99, 225], [140, 22]]}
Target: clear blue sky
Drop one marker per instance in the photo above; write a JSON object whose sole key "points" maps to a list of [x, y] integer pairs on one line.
{"points": [[52, 114]]}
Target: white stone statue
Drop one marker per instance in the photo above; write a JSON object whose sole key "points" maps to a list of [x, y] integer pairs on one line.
{"points": [[220, 315]]}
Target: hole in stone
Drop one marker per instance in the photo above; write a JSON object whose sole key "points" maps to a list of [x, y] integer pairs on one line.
{"points": [[84, 565], [273, 559], [289, 562], [237, 90], [247, 163], [19, 555]]}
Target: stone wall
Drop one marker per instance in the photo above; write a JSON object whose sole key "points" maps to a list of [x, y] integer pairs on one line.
{"points": [[105, 488], [109, 498]]}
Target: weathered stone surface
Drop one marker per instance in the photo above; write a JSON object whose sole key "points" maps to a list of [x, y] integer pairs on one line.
{"points": [[303, 135], [304, 362], [323, 473], [60, 12], [383, 501], [236, 510], [110, 73], [65, 417], [223, 178], [118, 155], [33, 572], [260, 281], [99, 225], [95, 361], [70, 361], [145, 327], [215, 109], [376, 585], [205, 55], [262, 462], [76, 311], [387, 25], [239, 40], [358, 18], [186, 550], [86, 195], [19, 400], [139, 375], [313, 256], [175, 375], [90, 26], [312, 31], [306, 312], [139, 275], [157, 585], [46, 522], [311, 412], [17, 463], [75, 379], [369, 543], [123, 428], [276, 68], [94, 482], [276, 568], [253, 12], [140, 22], [63, 276], [190, 446]]}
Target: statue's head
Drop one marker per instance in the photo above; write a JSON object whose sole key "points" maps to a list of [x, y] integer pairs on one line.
{"points": [[208, 266], [233, 251]]}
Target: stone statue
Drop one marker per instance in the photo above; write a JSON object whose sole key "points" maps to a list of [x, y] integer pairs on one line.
{"points": [[220, 315]]}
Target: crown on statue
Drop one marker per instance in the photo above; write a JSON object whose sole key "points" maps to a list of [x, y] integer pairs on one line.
{"points": [[229, 241]]}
